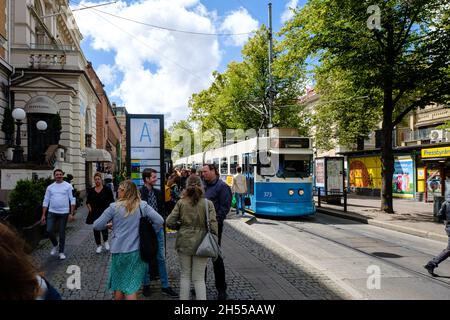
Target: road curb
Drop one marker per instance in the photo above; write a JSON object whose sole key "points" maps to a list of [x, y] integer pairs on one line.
{"points": [[350, 292], [382, 224]]}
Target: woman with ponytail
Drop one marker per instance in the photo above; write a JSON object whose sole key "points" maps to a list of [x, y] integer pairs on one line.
{"points": [[189, 218]]}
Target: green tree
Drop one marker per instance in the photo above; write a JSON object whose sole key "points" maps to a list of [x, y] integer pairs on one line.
{"points": [[402, 64], [173, 136], [237, 98]]}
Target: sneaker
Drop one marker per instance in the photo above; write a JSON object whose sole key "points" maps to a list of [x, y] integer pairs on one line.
{"points": [[430, 268], [106, 245], [169, 292], [146, 291], [222, 295], [99, 249], [54, 251], [62, 256]]}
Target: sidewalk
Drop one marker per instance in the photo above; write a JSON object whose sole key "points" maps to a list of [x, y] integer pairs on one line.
{"points": [[411, 217], [255, 267]]}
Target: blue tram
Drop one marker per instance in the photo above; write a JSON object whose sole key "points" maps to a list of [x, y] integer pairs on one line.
{"points": [[277, 167]]}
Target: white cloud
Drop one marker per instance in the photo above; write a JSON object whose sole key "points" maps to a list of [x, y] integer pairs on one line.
{"points": [[287, 13], [106, 73], [239, 21], [160, 69]]}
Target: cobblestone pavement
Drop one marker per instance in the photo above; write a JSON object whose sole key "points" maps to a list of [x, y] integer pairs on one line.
{"points": [[255, 268]]}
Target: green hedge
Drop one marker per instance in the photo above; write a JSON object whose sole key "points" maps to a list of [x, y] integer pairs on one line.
{"points": [[25, 201]]}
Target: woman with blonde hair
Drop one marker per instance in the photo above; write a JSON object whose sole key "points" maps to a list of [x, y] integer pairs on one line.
{"points": [[189, 217], [127, 268]]}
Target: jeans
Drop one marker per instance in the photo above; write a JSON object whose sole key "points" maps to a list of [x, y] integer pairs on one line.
{"points": [[160, 257], [240, 202], [60, 220], [192, 269], [97, 233], [446, 252], [219, 267]]}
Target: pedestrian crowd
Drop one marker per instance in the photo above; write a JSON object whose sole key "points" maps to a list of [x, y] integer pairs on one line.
{"points": [[192, 204]]}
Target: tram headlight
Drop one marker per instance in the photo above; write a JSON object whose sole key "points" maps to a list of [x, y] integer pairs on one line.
{"points": [[291, 192], [301, 192]]}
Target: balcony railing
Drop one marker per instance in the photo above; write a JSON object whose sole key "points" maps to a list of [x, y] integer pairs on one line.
{"points": [[408, 135], [52, 47]]}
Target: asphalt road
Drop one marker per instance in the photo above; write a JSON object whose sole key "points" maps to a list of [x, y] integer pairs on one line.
{"points": [[367, 262]]}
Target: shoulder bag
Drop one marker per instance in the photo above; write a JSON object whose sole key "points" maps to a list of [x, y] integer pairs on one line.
{"points": [[209, 247], [148, 242]]}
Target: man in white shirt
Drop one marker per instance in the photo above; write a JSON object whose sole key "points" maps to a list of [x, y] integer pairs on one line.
{"points": [[62, 207], [239, 188]]}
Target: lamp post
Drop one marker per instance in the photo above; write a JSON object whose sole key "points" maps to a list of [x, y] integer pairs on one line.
{"points": [[41, 125], [19, 115]]}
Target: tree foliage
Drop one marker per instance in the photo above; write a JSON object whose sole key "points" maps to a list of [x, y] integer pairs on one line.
{"points": [[237, 97], [401, 65]]}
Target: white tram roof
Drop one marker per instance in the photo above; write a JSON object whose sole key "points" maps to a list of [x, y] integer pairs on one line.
{"points": [[239, 148]]}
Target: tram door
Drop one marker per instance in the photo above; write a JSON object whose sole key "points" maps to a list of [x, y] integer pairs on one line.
{"points": [[248, 172]]}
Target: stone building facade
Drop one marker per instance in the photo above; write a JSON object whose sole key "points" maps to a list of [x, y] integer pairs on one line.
{"points": [[108, 131], [50, 83]]}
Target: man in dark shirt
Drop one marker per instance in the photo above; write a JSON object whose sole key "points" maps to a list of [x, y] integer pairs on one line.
{"points": [[153, 197], [220, 194]]}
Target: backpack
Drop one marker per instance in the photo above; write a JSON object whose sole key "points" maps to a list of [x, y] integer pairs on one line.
{"points": [[148, 242]]}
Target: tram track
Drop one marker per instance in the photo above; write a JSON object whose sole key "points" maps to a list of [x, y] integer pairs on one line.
{"points": [[426, 276]]}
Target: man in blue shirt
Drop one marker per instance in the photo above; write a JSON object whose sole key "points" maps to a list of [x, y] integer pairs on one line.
{"points": [[153, 197], [220, 194]]}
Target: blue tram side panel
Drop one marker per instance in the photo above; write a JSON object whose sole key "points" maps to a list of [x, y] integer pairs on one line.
{"points": [[274, 199]]}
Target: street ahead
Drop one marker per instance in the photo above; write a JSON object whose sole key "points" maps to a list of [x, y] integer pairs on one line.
{"points": [[306, 259], [352, 254]]}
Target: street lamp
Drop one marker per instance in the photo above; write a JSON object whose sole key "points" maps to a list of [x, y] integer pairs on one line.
{"points": [[41, 125], [18, 114]]}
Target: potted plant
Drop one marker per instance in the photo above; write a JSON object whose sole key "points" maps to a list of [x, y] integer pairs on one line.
{"points": [[26, 208]]}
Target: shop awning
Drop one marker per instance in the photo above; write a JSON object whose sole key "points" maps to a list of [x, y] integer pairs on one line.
{"points": [[97, 155]]}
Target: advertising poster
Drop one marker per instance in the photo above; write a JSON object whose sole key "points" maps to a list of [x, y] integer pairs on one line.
{"points": [[403, 178], [145, 146], [365, 172], [335, 178], [320, 173], [434, 182]]}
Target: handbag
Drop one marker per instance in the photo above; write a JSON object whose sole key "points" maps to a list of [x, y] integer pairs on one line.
{"points": [[209, 247], [247, 202], [148, 242]]}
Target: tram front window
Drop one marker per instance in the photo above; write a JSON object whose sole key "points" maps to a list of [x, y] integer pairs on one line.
{"points": [[294, 166]]}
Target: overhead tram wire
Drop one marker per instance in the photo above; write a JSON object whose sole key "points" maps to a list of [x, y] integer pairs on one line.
{"points": [[144, 44], [169, 29]]}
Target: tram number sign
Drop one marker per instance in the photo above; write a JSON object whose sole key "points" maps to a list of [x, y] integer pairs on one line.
{"points": [[267, 194]]}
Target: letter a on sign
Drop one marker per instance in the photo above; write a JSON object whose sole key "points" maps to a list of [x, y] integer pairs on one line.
{"points": [[145, 133]]}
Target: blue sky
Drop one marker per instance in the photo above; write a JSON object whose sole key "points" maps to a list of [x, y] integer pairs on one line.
{"points": [[156, 71]]}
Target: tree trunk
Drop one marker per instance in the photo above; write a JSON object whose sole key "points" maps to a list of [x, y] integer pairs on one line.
{"points": [[387, 155], [387, 160]]}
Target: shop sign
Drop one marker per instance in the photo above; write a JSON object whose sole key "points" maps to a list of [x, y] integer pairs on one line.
{"points": [[436, 152]]}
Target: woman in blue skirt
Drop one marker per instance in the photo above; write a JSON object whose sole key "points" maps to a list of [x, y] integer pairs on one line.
{"points": [[127, 269]]}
